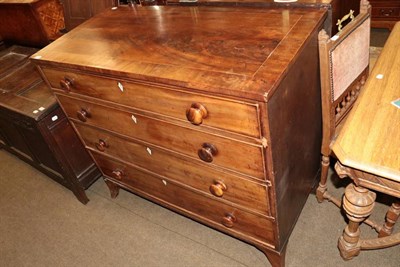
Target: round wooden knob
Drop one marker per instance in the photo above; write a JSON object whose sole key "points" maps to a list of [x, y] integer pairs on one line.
{"points": [[207, 152], [196, 113], [229, 220], [66, 84], [218, 188], [118, 174], [82, 115], [101, 145]]}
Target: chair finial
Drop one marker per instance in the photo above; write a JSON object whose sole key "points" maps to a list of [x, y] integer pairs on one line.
{"points": [[365, 7], [323, 36]]}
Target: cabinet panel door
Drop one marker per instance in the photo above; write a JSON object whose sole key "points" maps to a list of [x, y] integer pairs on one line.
{"points": [[100, 5], [11, 136], [76, 12]]}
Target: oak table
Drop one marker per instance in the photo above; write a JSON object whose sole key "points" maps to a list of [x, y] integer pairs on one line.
{"points": [[368, 151]]}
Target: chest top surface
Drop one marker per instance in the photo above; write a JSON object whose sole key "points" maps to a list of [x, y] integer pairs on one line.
{"points": [[370, 138], [242, 52], [240, 2]]}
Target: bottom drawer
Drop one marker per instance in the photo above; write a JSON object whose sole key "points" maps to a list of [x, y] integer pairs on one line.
{"points": [[229, 219]]}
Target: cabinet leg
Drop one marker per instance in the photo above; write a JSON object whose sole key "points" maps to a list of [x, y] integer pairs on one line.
{"points": [[277, 259], [358, 202], [81, 195], [114, 188], [391, 217]]}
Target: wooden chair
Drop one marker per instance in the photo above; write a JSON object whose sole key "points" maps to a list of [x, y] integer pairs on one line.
{"points": [[344, 68]]}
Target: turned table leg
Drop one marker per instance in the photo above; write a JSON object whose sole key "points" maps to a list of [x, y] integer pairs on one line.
{"points": [[358, 202], [391, 217]]}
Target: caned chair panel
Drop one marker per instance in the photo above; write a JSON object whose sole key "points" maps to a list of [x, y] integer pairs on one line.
{"points": [[349, 57]]}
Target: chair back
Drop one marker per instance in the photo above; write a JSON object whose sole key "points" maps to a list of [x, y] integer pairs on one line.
{"points": [[344, 68]]}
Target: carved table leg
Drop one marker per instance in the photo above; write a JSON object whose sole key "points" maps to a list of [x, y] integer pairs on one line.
{"points": [[358, 202], [391, 217], [114, 188], [324, 176]]}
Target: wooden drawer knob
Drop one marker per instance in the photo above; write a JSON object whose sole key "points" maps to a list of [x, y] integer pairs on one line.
{"points": [[83, 115], [218, 188], [118, 174], [196, 113], [66, 84], [101, 145], [229, 220], [207, 152], [386, 12]]}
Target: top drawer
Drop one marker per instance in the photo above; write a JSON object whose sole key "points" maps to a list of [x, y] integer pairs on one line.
{"points": [[236, 116]]}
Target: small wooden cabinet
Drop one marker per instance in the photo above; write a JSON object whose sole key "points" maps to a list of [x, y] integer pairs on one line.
{"points": [[30, 22], [34, 128], [385, 13]]}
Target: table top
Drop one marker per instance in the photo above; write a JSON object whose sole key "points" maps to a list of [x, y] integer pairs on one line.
{"points": [[370, 138], [206, 48]]}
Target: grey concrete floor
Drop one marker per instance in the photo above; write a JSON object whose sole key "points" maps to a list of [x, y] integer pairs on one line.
{"points": [[42, 224]]}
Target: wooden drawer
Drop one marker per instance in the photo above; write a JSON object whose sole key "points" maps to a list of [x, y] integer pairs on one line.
{"points": [[386, 12], [223, 185], [239, 117], [198, 206], [243, 157]]}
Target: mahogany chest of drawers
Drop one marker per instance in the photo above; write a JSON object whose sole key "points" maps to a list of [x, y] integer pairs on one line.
{"points": [[34, 128], [216, 118]]}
